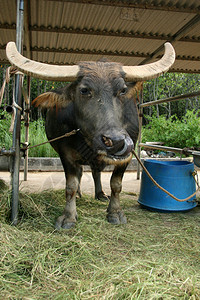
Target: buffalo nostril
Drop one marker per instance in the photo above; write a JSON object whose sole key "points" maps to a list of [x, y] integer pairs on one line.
{"points": [[107, 141]]}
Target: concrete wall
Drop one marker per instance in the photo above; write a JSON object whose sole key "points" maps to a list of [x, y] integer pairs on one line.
{"points": [[54, 164]]}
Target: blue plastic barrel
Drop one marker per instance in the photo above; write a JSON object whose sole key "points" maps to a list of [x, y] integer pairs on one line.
{"points": [[174, 176]]}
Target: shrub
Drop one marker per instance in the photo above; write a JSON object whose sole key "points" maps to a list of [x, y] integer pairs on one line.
{"points": [[174, 132]]}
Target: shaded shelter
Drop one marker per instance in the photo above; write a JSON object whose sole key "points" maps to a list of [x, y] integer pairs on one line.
{"points": [[65, 32]]}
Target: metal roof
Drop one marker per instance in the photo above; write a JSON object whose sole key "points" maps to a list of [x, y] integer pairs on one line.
{"points": [[130, 32]]}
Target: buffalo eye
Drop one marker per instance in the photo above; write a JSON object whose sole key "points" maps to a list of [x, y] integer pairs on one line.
{"points": [[123, 91], [85, 91]]}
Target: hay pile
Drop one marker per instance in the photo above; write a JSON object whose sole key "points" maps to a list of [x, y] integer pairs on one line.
{"points": [[154, 256]]}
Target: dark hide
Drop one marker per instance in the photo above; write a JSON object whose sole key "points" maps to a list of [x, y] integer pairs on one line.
{"points": [[103, 106]]}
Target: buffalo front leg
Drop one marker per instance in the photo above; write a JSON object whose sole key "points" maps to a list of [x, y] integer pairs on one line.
{"points": [[115, 214], [69, 216], [73, 176]]}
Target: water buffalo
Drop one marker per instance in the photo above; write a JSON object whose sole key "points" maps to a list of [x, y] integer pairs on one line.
{"points": [[100, 101]]}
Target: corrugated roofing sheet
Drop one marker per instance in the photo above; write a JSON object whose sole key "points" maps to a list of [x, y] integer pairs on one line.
{"points": [[66, 32]]}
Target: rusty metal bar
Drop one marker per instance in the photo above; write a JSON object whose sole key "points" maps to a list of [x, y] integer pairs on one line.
{"points": [[170, 149], [175, 98], [158, 147], [17, 124]]}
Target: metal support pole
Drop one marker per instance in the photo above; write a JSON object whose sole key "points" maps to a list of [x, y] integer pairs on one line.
{"points": [[140, 132], [17, 124], [27, 126]]}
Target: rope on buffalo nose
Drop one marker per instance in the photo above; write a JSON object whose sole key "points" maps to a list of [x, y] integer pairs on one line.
{"points": [[53, 140], [160, 187]]}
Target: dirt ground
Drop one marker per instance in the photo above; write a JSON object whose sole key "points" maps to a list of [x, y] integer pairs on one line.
{"points": [[40, 181]]}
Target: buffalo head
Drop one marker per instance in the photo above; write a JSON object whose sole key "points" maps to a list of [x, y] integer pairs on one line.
{"points": [[102, 96]]}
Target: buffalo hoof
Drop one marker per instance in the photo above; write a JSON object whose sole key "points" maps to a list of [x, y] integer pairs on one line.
{"points": [[117, 218], [101, 196], [63, 223]]}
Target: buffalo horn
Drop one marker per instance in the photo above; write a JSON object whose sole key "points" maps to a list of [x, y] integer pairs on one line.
{"points": [[40, 70], [152, 70], [69, 73]]}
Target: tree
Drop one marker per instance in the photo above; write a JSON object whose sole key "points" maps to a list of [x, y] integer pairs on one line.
{"points": [[169, 85]]}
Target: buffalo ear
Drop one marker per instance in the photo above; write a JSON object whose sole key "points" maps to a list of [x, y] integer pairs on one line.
{"points": [[51, 99], [59, 98]]}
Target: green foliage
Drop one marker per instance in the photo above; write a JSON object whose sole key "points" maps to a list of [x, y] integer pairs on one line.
{"points": [[174, 132], [5, 135], [37, 135]]}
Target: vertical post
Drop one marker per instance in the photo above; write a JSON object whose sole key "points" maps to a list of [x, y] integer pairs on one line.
{"points": [[17, 124], [140, 132], [27, 126]]}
